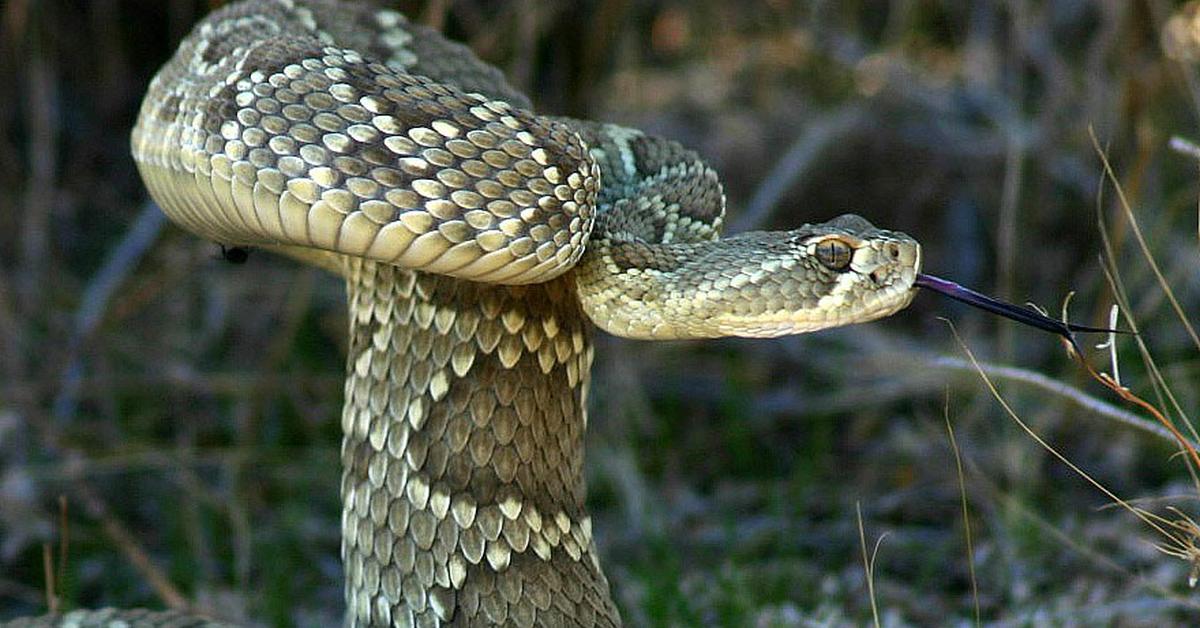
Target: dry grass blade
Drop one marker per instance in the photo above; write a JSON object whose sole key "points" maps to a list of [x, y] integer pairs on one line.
{"points": [[1101, 558], [1141, 239], [1050, 385], [1126, 394], [869, 562], [1182, 532], [1181, 546], [203, 411], [962, 492], [1162, 389]]}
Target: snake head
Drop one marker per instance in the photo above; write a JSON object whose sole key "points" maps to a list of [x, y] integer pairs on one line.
{"points": [[852, 272], [760, 284]]}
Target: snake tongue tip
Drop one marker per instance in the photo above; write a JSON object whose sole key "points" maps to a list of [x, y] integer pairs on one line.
{"points": [[1025, 315]]}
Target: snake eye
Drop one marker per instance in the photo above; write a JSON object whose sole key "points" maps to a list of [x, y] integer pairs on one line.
{"points": [[834, 254]]}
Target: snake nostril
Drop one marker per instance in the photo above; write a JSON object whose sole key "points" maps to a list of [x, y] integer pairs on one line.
{"points": [[877, 276], [894, 250]]}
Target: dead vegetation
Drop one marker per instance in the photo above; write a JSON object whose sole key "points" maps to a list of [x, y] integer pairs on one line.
{"points": [[185, 409]]}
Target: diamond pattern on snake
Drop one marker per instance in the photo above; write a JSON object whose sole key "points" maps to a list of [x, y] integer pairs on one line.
{"points": [[481, 243]]}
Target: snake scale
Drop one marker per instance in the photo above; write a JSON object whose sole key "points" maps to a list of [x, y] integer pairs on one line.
{"points": [[480, 243]]}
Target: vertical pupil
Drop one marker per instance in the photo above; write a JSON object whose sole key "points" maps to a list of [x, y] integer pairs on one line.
{"points": [[834, 254]]}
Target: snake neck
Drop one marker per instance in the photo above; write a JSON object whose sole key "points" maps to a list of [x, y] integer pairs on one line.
{"points": [[463, 491]]}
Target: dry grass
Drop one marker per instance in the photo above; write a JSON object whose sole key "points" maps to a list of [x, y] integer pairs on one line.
{"points": [[186, 408]]}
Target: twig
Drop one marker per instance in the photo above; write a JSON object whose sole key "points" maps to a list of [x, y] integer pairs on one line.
{"points": [[94, 302], [96, 297], [1079, 397], [48, 570], [64, 540], [116, 531], [1127, 395]]}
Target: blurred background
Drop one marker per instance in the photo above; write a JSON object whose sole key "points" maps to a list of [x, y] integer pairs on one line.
{"points": [[169, 421]]}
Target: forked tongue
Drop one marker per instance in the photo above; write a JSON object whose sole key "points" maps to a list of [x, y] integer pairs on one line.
{"points": [[1018, 313]]}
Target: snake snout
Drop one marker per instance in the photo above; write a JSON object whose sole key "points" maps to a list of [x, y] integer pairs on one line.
{"points": [[897, 261], [901, 253], [907, 255]]}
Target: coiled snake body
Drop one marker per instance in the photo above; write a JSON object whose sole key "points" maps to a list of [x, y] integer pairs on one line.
{"points": [[480, 241]]}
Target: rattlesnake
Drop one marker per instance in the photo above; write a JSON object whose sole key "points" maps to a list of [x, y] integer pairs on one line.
{"points": [[480, 242]]}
